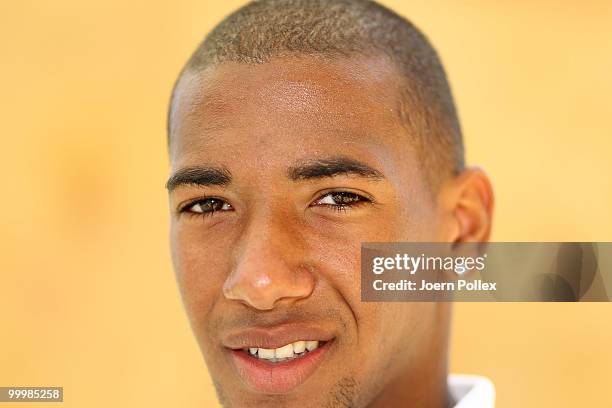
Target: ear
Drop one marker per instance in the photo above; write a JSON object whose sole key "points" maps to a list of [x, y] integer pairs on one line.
{"points": [[466, 203]]}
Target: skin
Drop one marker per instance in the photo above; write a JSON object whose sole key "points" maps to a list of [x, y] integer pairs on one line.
{"points": [[276, 251]]}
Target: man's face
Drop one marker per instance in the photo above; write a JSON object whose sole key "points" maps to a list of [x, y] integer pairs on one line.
{"points": [[291, 164]]}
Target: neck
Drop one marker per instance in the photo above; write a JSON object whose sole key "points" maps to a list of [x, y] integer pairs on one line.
{"points": [[424, 391]]}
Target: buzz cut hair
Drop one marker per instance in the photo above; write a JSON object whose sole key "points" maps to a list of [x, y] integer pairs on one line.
{"points": [[263, 30]]}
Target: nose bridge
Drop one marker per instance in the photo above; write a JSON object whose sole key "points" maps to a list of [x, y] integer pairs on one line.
{"points": [[268, 262], [268, 229]]}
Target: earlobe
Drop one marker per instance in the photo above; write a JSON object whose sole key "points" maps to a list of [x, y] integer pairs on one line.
{"points": [[469, 201]]}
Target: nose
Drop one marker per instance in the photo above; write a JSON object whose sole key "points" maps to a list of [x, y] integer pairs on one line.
{"points": [[269, 266]]}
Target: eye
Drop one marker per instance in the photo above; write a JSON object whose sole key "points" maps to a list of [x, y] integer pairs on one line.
{"points": [[207, 206], [341, 200]]}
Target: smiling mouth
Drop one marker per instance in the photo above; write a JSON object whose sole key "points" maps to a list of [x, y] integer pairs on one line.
{"points": [[279, 370], [287, 352]]}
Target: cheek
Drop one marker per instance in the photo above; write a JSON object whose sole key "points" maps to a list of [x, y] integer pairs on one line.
{"points": [[387, 335], [199, 274], [392, 337], [336, 248]]}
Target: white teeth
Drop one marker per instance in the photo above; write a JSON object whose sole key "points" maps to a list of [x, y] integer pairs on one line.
{"points": [[284, 352], [265, 353], [299, 346], [291, 350]]}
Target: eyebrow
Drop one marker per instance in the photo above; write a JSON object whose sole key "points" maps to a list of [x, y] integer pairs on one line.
{"points": [[308, 170], [333, 166], [199, 176]]}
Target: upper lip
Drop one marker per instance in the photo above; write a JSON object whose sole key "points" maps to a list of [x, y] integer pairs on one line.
{"points": [[274, 336]]}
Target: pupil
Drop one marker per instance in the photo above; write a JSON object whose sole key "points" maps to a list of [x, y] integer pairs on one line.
{"points": [[213, 205], [344, 198]]}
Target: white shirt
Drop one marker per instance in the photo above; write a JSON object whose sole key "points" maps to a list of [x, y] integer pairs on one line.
{"points": [[471, 391]]}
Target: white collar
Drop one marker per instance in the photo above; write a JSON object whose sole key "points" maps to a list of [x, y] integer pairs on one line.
{"points": [[471, 391]]}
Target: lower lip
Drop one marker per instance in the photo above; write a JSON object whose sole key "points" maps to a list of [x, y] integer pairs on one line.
{"points": [[280, 377]]}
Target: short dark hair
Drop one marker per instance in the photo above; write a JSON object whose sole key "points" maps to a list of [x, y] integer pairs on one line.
{"points": [[264, 29]]}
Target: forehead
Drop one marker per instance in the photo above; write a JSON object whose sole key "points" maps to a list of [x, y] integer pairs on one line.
{"points": [[290, 104]]}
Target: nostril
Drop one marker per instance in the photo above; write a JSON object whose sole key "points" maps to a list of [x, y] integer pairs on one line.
{"points": [[262, 284]]}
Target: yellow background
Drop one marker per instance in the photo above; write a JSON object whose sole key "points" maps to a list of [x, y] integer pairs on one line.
{"points": [[87, 295]]}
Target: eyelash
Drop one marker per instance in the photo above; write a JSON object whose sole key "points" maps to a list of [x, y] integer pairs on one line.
{"points": [[187, 208], [341, 207]]}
